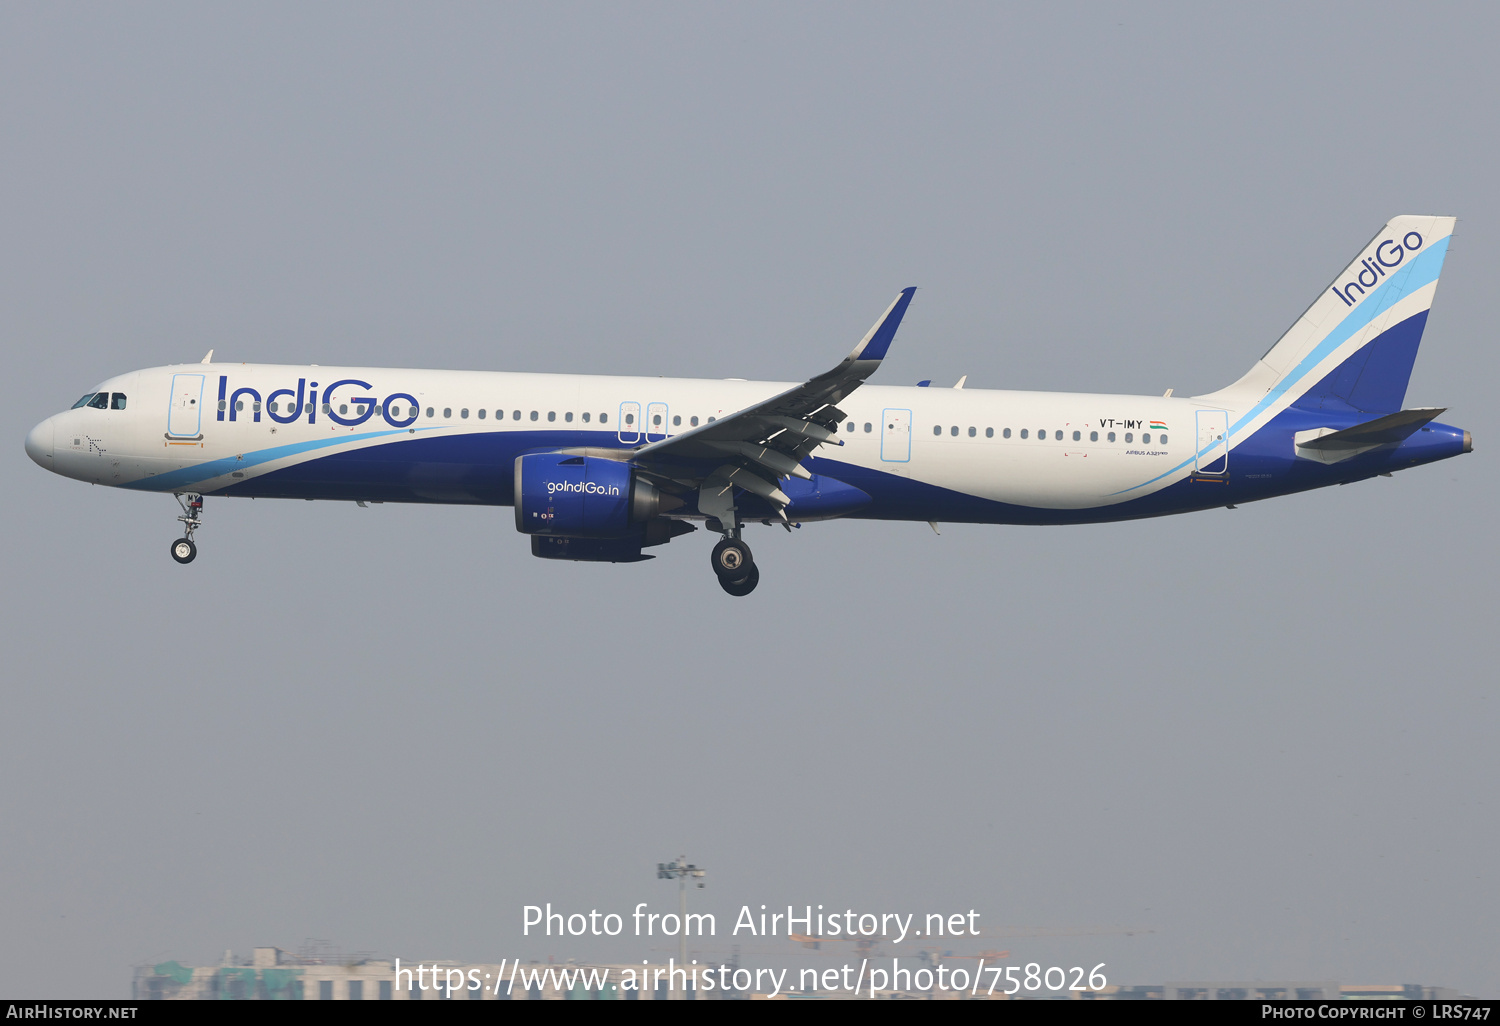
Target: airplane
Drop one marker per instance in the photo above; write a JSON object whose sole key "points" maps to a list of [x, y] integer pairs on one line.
{"points": [[599, 468]]}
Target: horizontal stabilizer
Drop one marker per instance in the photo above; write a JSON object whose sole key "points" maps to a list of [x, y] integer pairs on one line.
{"points": [[1385, 430]]}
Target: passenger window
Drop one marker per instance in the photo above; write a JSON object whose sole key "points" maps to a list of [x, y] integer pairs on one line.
{"points": [[481, 414], [1005, 433], [989, 432], [693, 422], [1077, 435], [343, 408], [629, 419], [273, 407], [515, 415], [117, 401], [677, 421], [99, 401], [1146, 439], [1058, 436], [849, 425], [327, 409], [1162, 439], [953, 431], [85, 401], [464, 413], [1111, 436], [586, 417], [937, 429], [534, 415], [239, 406], [223, 405], [568, 417], [712, 419], [973, 432], [656, 420], [1023, 433], [1093, 436], [1129, 436], [604, 418], [869, 427]]}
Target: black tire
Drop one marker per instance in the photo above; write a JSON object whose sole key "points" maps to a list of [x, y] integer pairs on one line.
{"points": [[744, 586], [730, 558], [183, 550]]}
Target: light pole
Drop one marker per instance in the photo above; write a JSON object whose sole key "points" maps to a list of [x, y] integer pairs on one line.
{"points": [[681, 871]]}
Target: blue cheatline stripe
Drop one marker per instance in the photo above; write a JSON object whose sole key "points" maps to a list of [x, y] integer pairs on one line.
{"points": [[218, 468], [1423, 270]]}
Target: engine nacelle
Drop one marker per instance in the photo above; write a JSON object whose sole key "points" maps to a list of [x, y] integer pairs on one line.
{"points": [[583, 497]]}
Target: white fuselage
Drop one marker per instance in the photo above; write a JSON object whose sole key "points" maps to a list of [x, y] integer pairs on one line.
{"points": [[1046, 450]]}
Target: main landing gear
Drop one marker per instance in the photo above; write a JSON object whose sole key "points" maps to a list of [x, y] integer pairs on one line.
{"points": [[183, 549], [735, 567]]}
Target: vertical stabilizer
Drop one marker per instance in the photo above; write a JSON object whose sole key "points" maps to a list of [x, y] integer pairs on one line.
{"points": [[1354, 347]]}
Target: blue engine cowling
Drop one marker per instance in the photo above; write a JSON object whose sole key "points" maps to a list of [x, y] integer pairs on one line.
{"points": [[566, 496]]}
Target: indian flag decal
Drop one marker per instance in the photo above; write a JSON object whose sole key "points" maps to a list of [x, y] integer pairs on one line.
{"points": [[1157, 425]]}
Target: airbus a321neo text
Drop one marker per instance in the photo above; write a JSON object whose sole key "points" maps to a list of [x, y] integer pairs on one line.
{"points": [[603, 468]]}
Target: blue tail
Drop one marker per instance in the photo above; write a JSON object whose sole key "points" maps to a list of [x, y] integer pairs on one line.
{"points": [[1353, 349]]}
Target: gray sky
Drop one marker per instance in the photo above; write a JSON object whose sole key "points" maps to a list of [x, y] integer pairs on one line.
{"points": [[1267, 735]]}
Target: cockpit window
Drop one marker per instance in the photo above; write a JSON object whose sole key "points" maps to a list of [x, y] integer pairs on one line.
{"points": [[117, 401], [84, 401], [100, 401]]}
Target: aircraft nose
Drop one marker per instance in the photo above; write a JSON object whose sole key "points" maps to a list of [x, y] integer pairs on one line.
{"points": [[39, 444]]}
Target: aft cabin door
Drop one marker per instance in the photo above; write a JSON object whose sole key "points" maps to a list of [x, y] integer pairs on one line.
{"points": [[895, 436], [1213, 442], [185, 416]]}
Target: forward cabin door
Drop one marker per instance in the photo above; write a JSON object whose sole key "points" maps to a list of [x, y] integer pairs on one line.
{"points": [[1213, 442], [185, 416], [895, 436]]}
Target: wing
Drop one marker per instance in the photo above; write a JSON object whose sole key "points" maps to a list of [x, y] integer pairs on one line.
{"points": [[757, 446]]}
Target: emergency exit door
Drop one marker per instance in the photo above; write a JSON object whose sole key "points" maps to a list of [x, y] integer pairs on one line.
{"points": [[628, 430]]}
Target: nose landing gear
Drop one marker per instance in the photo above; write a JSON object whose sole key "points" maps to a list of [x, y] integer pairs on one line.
{"points": [[183, 550]]}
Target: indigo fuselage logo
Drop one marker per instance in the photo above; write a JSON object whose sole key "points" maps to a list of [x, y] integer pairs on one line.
{"points": [[303, 402]]}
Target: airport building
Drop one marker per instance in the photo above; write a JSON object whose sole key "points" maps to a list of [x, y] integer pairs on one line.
{"points": [[318, 974], [271, 974]]}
